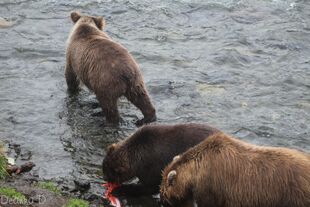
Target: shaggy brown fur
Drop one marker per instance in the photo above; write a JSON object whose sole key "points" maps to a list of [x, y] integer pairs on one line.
{"points": [[225, 172], [145, 154], [105, 67]]}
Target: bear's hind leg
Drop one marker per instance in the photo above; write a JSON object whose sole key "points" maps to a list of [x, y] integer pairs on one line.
{"points": [[140, 98], [71, 79], [108, 104]]}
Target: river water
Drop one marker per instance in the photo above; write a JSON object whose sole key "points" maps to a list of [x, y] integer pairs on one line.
{"points": [[242, 66]]}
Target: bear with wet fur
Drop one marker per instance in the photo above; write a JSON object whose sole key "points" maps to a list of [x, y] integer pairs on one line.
{"points": [[105, 67], [225, 172], [146, 153]]}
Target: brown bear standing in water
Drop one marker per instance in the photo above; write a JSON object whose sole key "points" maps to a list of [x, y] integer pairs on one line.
{"points": [[225, 172], [105, 67], [146, 153]]}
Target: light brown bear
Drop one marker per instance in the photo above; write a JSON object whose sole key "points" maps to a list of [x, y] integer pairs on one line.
{"points": [[105, 67], [225, 172]]}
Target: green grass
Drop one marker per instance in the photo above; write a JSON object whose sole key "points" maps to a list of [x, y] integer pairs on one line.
{"points": [[3, 172], [76, 203], [49, 186], [11, 193], [3, 163]]}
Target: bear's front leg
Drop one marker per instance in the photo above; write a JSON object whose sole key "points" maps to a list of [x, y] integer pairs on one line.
{"points": [[112, 115]]}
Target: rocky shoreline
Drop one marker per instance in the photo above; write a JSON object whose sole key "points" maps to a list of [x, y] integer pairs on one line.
{"points": [[27, 190], [21, 187]]}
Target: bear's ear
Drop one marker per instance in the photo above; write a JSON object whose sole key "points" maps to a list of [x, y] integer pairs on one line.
{"points": [[111, 148], [99, 21], [176, 158], [171, 176], [75, 16]]}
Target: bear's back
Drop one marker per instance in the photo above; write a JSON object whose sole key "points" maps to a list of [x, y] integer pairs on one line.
{"points": [[255, 176]]}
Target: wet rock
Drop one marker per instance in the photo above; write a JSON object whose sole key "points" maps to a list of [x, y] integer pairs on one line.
{"points": [[14, 150], [244, 104], [20, 169], [244, 133], [10, 161], [4, 23], [81, 185], [99, 113], [26, 155], [95, 105], [303, 105], [90, 197]]}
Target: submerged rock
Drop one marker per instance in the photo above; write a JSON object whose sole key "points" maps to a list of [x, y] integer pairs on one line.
{"points": [[4, 23], [208, 89]]}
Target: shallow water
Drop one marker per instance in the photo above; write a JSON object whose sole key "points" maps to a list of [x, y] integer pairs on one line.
{"points": [[242, 66]]}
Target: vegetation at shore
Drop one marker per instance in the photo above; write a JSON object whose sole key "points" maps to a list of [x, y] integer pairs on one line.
{"points": [[11, 193], [3, 163], [49, 186], [19, 198], [77, 203]]}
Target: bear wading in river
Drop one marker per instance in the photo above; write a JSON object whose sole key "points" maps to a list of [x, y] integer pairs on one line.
{"points": [[225, 172], [105, 67], [146, 153]]}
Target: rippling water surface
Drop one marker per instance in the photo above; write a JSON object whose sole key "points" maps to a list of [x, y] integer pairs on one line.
{"points": [[240, 65]]}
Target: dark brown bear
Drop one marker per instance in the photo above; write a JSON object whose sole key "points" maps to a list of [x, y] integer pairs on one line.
{"points": [[105, 67], [225, 172], [146, 153]]}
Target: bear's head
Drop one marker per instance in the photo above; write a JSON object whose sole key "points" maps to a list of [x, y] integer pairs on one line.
{"points": [[115, 166], [76, 17], [176, 182]]}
